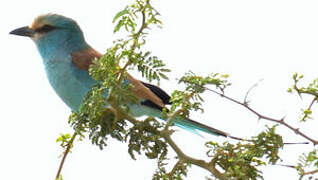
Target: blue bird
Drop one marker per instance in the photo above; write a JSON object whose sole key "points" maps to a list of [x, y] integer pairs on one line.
{"points": [[67, 57]]}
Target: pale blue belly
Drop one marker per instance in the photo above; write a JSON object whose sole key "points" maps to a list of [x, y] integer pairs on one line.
{"points": [[70, 83]]}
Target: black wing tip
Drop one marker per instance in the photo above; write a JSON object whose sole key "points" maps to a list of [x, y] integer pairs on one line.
{"points": [[165, 98]]}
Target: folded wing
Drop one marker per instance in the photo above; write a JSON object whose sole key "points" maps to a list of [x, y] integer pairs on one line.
{"points": [[151, 95]]}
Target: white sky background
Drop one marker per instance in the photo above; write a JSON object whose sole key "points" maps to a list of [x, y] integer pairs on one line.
{"points": [[250, 40]]}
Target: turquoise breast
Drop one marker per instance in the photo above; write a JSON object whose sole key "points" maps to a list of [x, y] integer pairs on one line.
{"points": [[70, 83]]}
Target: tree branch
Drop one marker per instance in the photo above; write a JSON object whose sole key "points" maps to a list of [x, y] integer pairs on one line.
{"points": [[308, 173], [174, 169], [187, 159], [309, 108], [261, 116], [166, 134], [68, 148]]}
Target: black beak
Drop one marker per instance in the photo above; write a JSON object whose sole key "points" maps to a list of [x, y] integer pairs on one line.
{"points": [[23, 31]]}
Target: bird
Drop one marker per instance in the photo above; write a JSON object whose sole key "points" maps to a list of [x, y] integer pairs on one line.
{"points": [[67, 56]]}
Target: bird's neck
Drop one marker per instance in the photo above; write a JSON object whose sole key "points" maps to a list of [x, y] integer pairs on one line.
{"points": [[53, 50]]}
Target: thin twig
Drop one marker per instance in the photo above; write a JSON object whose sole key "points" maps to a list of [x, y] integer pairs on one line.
{"points": [[312, 103], [286, 165], [302, 91], [309, 108], [68, 148], [308, 173]]}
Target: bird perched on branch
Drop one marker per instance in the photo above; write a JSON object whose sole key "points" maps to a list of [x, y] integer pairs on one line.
{"points": [[67, 57]]}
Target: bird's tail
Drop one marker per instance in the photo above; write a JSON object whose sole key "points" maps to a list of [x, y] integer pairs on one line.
{"points": [[193, 126], [184, 123]]}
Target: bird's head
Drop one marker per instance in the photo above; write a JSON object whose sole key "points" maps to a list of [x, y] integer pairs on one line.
{"points": [[53, 32]]}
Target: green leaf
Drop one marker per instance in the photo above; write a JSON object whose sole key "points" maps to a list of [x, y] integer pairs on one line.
{"points": [[163, 76], [60, 178], [119, 25], [120, 14], [63, 137]]}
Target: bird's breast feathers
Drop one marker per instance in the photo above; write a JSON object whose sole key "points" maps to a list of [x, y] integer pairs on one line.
{"points": [[70, 83]]}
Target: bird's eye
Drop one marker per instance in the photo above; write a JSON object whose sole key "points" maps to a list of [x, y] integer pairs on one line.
{"points": [[45, 29]]}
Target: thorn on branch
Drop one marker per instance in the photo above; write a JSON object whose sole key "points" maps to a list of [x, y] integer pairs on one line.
{"points": [[282, 120], [289, 166], [299, 94], [296, 143], [251, 88], [296, 130], [260, 116]]}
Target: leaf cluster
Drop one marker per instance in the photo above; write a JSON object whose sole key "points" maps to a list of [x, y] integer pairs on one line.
{"points": [[151, 67], [145, 136], [179, 171], [127, 18], [306, 162], [241, 160], [97, 120], [310, 89], [196, 83], [190, 98], [63, 139]]}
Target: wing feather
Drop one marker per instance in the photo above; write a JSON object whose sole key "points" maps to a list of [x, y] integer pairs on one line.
{"points": [[84, 58]]}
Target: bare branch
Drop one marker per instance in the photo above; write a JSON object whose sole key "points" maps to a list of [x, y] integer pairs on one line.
{"points": [[261, 116], [308, 173]]}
